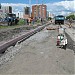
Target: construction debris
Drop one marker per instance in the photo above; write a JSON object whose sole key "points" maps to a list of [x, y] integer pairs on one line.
{"points": [[50, 28]]}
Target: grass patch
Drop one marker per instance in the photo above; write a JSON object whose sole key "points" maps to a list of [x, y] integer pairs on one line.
{"points": [[20, 23], [13, 26]]}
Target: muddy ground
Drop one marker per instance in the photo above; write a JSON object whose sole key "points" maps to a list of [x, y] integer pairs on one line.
{"points": [[7, 34]]}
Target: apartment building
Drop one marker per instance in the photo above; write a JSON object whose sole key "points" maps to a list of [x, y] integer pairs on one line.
{"points": [[39, 11], [4, 10], [7, 9]]}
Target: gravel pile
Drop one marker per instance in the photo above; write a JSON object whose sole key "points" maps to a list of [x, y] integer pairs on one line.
{"points": [[9, 54], [11, 51]]}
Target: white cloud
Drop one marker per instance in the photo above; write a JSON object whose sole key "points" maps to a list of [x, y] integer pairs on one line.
{"points": [[64, 12], [74, 4], [16, 8], [13, 4], [62, 7], [66, 4]]}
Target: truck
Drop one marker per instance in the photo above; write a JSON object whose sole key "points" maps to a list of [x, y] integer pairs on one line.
{"points": [[59, 19], [11, 18]]}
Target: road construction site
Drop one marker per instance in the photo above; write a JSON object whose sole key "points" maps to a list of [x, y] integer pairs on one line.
{"points": [[39, 55]]}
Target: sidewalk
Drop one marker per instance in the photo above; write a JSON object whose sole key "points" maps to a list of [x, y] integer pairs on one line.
{"points": [[70, 32]]}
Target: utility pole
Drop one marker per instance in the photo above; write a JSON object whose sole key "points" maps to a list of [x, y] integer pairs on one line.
{"points": [[36, 1], [42, 2], [37, 8], [30, 7], [74, 6]]}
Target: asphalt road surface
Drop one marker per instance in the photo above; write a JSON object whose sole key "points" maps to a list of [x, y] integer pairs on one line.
{"points": [[40, 55]]}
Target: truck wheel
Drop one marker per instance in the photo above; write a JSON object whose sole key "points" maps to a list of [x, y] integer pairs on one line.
{"points": [[62, 22]]}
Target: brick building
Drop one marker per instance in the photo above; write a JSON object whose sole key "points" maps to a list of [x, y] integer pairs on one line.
{"points": [[39, 11]]}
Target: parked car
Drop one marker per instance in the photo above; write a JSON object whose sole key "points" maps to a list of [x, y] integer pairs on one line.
{"points": [[11, 18]]}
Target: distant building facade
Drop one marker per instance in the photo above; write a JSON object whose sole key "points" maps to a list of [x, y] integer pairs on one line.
{"points": [[0, 6], [50, 15], [26, 13], [4, 10], [39, 11], [1, 11], [7, 9]]}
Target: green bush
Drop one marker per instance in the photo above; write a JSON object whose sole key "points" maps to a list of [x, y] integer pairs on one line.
{"points": [[21, 22], [38, 21], [49, 18], [71, 16]]}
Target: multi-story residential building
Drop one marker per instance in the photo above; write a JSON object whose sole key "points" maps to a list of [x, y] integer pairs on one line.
{"points": [[0, 6], [7, 9], [4, 10], [39, 11], [1, 12], [51, 15], [26, 14]]}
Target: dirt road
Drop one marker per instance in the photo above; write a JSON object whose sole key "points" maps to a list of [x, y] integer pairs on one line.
{"points": [[40, 55]]}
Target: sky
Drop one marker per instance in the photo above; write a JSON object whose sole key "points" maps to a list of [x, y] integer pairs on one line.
{"points": [[56, 7], [32, 1]]}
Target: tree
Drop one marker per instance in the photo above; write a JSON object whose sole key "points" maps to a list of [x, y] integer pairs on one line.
{"points": [[71, 16], [49, 18]]}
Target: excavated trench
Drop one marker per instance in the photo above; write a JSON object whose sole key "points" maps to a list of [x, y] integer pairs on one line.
{"points": [[12, 33]]}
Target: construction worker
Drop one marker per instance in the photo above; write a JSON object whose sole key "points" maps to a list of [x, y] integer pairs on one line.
{"points": [[65, 44], [29, 20], [70, 22]]}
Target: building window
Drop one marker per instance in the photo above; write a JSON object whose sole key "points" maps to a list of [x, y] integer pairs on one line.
{"points": [[43, 7], [27, 10], [10, 9]]}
